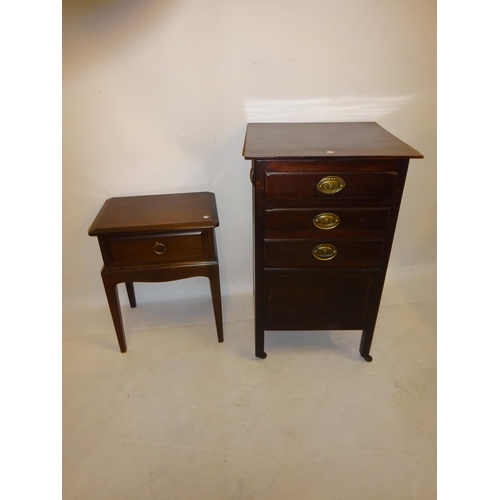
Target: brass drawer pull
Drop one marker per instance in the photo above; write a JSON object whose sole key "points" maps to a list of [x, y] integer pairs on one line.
{"points": [[331, 184], [159, 248], [326, 220], [325, 251]]}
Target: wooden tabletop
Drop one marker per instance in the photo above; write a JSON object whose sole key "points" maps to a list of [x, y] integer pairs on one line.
{"points": [[156, 213], [316, 140]]}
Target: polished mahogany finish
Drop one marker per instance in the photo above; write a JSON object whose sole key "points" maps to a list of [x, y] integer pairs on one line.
{"points": [[157, 238], [326, 202], [319, 140]]}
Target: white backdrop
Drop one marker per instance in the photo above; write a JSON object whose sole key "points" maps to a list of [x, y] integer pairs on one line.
{"points": [[156, 98]]}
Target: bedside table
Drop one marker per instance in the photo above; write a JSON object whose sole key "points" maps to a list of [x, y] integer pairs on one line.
{"points": [[157, 238], [326, 198]]}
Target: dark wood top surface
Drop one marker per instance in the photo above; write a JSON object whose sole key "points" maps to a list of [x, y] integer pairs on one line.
{"points": [[156, 213], [315, 140]]}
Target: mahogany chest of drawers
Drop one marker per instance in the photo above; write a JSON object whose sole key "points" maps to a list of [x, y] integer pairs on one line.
{"points": [[326, 198]]}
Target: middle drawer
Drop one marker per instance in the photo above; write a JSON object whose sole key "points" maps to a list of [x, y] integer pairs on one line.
{"points": [[313, 219]]}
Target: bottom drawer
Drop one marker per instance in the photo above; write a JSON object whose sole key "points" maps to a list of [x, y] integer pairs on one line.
{"points": [[308, 300], [300, 253]]}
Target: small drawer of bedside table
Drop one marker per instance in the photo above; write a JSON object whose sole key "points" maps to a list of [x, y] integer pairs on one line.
{"points": [[159, 249]]}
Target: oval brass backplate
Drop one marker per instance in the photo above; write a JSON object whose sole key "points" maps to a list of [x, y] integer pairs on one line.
{"points": [[326, 220], [331, 184], [324, 251]]}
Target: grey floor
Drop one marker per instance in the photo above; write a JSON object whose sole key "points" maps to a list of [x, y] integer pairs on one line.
{"points": [[181, 416]]}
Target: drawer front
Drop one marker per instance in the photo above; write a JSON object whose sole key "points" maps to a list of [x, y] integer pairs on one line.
{"points": [[328, 220], [292, 185], [323, 254], [158, 249], [297, 300]]}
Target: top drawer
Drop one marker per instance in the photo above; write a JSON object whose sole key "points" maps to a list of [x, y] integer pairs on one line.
{"points": [[338, 185]]}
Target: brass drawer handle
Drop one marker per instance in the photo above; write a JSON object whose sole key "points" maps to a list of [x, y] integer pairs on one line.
{"points": [[331, 184], [159, 248], [326, 220], [325, 251]]}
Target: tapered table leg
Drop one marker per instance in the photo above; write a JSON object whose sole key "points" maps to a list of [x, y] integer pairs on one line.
{"points": [[114, 306], [131, 293], [213, 276]]}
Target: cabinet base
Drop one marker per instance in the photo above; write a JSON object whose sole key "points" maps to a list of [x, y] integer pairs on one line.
{"points": [[364, 349]]}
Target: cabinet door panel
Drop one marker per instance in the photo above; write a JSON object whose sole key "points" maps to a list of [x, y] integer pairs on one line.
{"points": [[306, 300]]}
